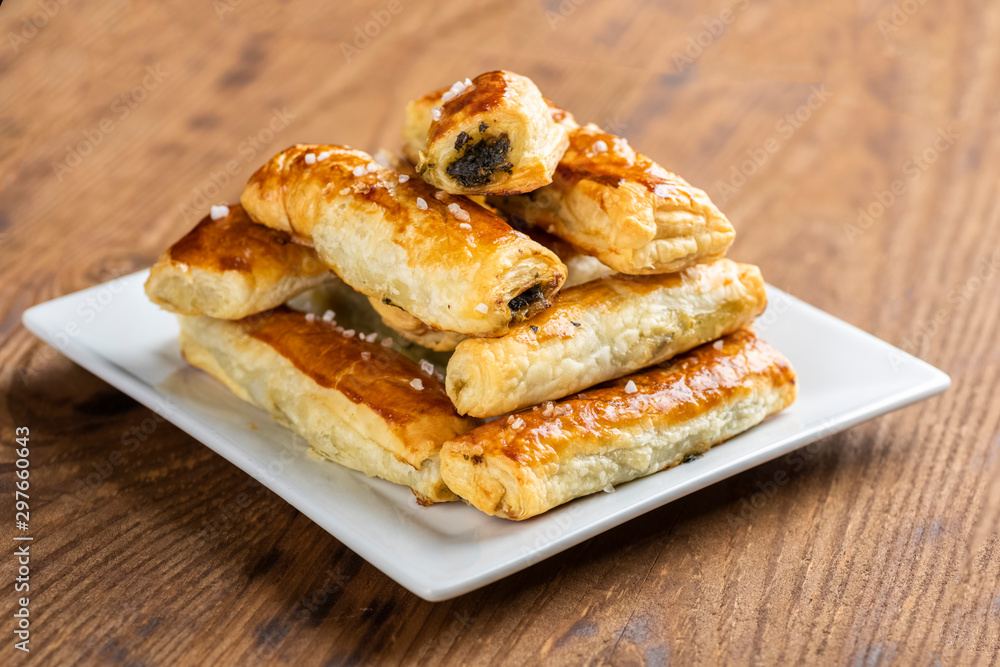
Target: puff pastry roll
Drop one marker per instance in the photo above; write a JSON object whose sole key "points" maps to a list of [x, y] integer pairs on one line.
{"points": [[623, 208], [580, 268], [494, 134], [447, 261], [535, 460], [356, 402], [231, 267], [602, 330]]}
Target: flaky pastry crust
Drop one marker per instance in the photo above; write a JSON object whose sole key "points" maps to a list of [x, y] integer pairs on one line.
{"points": [[623, 208], [232, 267], [356, 402], [601, 330], [495, 135], [445, 260], [532, 461]]}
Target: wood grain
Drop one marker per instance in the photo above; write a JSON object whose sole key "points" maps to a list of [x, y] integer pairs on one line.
{"points": [[882, 546]]}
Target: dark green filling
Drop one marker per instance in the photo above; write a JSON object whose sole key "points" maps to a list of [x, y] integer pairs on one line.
{"points": [[481, 160], [525, 299]]}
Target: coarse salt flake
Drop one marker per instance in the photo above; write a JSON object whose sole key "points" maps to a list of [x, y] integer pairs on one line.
{"points": [[417, 384], [609, 489], [427, 367], [371, 167], [481, 308], [324, 155], [662, 190], [359, 170], [310, 158], [219, 212], [310, 317], [383, 159], [630, 388], [403, 178], [518, 423], [456, 89], [329, 316], [717, 345], [436, 113], [421, 204], [600, 146], [366, 355], [465, 225], [440, 195], [372, 337], [458, 212], [349, 333], [386, 342]]}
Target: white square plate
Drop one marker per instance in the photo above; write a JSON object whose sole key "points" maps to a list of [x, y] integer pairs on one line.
{"points": [[112, 330]]}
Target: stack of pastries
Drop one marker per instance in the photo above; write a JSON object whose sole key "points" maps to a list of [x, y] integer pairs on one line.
{"points": [[576, 291]]}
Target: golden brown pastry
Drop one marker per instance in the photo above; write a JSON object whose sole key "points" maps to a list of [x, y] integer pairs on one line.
{"points": [[580, 267], [356, 402], [494, 134], [601, 330], [414, 330], [532, 461], [230, 267], [445, 260], [623, 208]]}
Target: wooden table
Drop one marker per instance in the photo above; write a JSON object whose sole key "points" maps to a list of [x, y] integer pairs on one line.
{"points": [[854, 146]]}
